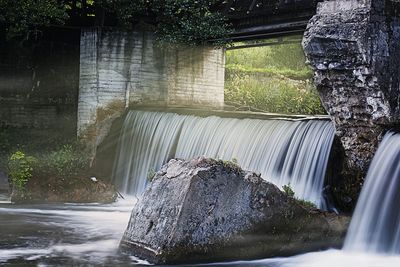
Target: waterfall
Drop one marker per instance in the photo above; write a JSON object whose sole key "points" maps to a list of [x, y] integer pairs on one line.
{"points": [[375, 226], [283, 151]]}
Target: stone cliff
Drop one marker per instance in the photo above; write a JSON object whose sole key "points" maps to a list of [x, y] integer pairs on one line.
{"points": [[354, 48]]}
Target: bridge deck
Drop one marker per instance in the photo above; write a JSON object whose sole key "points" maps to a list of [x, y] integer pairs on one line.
{"points": [[257, 19]]}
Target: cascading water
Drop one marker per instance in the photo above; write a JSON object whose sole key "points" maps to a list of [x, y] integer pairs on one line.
{"points": [[283, 151], [375, 226]]}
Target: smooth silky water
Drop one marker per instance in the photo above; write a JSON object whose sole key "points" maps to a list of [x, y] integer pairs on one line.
{"points": [[283, 151], [375, 226], [63, 234], [89, 234]]}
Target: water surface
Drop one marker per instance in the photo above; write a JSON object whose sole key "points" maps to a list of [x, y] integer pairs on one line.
{"points": [[89, 235]]}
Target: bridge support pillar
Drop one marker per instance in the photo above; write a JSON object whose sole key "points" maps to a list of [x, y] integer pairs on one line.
{"points": [[121, 69], [354, 48]]}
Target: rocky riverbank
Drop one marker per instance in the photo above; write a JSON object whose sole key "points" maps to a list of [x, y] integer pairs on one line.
{"points": [[76, 189]]}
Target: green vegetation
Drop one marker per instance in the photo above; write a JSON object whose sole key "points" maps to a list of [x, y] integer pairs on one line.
{"points": [[175, 21], [28, 153], [285, 56], [271, 79], [23, 17], [229, 163], [288, 190], [235, 161], [66, 161], [20, 168], [305, 203], [304, 74], [50, 166], [189, 22], [150, 174]]}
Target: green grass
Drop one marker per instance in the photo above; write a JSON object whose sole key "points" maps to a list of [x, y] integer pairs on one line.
{"points": [[286, 56], [272, 94], [303, 74], [271, 79]]}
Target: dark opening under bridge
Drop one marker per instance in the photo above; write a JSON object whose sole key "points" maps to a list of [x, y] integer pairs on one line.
{"points": [[260, 19]]}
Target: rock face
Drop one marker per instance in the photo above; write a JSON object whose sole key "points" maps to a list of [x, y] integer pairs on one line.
{"points": [[354, 48], [207, 210]]}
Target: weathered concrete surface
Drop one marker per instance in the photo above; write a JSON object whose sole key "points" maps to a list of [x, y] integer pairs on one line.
{"points": [[39, 81], [207, 210], [4, 185], [121, 69], [354, 48]]}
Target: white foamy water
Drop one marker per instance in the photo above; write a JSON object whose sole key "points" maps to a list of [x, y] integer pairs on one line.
{"points": [[330, 258], [283, 151], [375, 226], [64, 234]]}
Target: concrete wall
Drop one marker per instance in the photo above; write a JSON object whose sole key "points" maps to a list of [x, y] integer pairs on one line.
{"points": [[125, 69], [39, 82]]}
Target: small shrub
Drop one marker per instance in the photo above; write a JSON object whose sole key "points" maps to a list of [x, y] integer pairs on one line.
{"points": [[307, 204], [288, 190], [66, 161], [235, 161], [150, 174], [20, 169], [228, 163]]}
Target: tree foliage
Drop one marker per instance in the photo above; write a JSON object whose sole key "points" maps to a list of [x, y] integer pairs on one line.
{"points": [[20, 169], [175, 21], [23, 17]]}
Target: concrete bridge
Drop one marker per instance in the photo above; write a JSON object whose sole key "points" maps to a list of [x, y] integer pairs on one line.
{"points": [[259, 19], [353, 46], [124, 69]]}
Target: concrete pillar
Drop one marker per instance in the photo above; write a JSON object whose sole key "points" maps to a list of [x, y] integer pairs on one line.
{"points": [[120, 69]]}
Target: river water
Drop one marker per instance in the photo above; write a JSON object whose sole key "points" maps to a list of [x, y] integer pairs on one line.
{"points": [[63, 234], [89, 235]]}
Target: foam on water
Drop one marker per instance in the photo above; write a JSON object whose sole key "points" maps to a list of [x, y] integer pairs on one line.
{"points": [[73, 233], [330, 258]]}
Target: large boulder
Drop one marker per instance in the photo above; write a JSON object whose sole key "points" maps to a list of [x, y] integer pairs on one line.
{"points": [[354, 48], [208, 210]]}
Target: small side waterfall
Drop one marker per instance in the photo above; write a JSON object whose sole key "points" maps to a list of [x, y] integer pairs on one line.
{"points": [[375, 226], [284, 152]]}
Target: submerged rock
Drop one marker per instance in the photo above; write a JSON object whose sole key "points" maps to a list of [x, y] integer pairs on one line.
{"points": [[207, 210]]}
